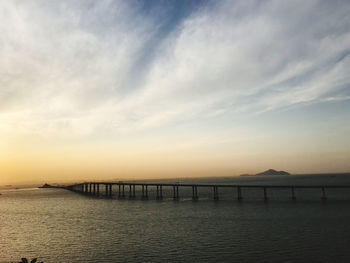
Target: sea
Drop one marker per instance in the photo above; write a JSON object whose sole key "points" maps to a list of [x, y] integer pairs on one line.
{"points": [[57, 225]]}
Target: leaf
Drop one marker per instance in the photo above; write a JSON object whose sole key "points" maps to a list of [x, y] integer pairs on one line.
{"points": [[24, 260], [33, 260]]}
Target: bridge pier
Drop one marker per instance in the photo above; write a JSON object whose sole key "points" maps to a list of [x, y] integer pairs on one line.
{"points": [[90, 186], [98, 189], [121, 191], [106, 189], [239, 193], [94, 189], [175, 192], [216, 193], [130, 191], [194, 192], [324, 198], [265, 194], [144, 191], [159, 192], [293, 194]]}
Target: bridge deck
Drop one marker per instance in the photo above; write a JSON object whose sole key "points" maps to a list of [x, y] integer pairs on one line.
{"points": [[220, 185], [93, 188]]}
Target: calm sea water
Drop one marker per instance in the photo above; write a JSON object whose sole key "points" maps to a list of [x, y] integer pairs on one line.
{"points": [[60, 226]]}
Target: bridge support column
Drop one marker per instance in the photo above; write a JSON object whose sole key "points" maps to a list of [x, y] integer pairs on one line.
{"points": [[98, 189], [293, 194], [119, 192], [265, 194], [324, 198], [159, 192], [144, 191], [110, 190], [133, 191], [130, 191], [239, 193], [94, 188], [175, 192], [157, 197], [194, 192], [90, 186], [216, 193]]}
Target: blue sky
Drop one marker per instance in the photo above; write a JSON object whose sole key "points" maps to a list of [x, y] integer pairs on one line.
{"points": [[246, 84]]}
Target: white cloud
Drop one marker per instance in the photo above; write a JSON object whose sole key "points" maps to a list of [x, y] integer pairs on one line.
{"points": [[71, 68]]}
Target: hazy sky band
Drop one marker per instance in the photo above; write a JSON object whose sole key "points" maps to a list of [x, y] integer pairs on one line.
{"points": [[171, 88]]}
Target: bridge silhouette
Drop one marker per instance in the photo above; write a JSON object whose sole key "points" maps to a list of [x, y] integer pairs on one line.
{"points": [[128, 189]]}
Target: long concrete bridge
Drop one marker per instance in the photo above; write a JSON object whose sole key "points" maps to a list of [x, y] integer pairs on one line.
{"points": [[127, 189]]}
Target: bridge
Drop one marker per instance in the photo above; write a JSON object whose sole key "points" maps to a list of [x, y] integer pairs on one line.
{"points": [[128, 189]]}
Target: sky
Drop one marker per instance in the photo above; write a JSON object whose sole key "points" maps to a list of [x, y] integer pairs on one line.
{"points": [[102, 90]]}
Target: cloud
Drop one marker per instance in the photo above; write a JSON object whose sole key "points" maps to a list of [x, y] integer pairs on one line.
{"points": [[78, 67]]}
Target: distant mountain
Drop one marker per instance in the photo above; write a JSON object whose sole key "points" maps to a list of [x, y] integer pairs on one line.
{"points": [[268, 172], [273, 172]]}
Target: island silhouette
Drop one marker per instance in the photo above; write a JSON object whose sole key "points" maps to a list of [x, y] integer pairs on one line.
{"points": [[268, 172]]}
